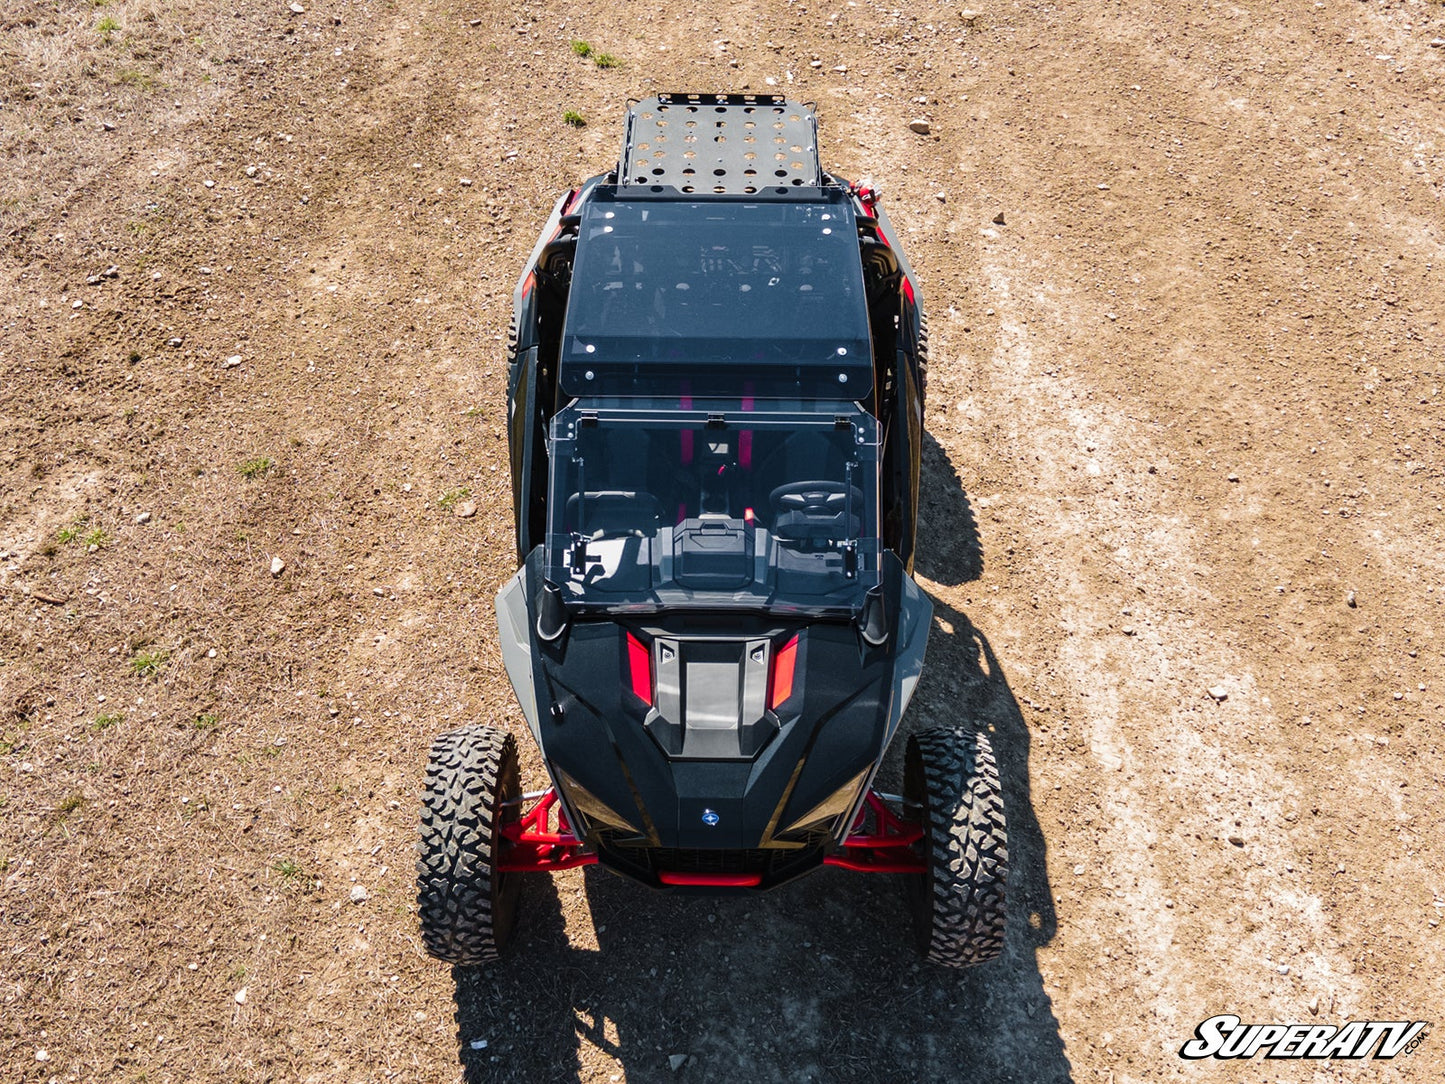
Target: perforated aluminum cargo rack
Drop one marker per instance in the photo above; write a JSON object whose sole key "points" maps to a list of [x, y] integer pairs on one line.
{"points": [[734, 144]]}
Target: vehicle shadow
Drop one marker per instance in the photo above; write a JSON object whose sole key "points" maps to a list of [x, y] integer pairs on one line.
{"points": [[950, 550], [817, 981]]}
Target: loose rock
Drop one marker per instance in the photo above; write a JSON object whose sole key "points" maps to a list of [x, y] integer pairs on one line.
{"points": [[467, 509], [358, 894], [676, 1061], [1350, 599], [921, 126], [1219, 692], [1236, 839], [232, 361], [241, 995], [998, 219], [144, 517], [278, 566]]}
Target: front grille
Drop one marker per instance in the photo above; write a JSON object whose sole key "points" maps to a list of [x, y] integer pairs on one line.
{"points": [[774, 865], [681, 860]]}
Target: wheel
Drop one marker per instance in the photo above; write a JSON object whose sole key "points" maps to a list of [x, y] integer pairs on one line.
{"points": [[465, 905], [950, 781]]}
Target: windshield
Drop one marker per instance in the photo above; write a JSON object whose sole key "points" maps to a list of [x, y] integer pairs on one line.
{"points": [[743, 507], [704, 288]]}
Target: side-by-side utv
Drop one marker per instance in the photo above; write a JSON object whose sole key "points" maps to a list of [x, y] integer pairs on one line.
{"points": [[718, 359]]}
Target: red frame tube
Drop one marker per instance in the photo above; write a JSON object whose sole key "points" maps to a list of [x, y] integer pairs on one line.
{"points": [[536, 848], [890, 846], [880, 841]]}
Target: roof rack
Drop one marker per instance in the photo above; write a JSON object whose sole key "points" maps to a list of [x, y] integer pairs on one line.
{"points": [[725, 144]]}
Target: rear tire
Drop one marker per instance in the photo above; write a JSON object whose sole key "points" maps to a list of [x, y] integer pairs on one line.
{"points": [[950, 781], [466, 905]]}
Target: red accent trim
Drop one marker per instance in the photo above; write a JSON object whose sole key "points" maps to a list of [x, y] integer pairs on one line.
{"points": [[783, 664], [639, 666], [535, 848], [712, 880], [890, 847], [908, 290]]}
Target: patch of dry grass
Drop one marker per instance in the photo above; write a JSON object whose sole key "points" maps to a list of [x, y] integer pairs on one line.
{"points": [[78, 83]]}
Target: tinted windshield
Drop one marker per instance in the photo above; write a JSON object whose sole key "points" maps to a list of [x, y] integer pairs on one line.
{"points": [[708, 287], [724, 507]]}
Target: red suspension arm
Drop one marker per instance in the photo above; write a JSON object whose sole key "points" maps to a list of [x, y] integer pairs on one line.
{"points": [[880, 841], [535, 847]]}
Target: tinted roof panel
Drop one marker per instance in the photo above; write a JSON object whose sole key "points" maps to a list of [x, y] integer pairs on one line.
{"points": [[707, 295]]}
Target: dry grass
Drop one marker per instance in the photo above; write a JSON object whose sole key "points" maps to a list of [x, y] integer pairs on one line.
{"points": [[140, 66]]}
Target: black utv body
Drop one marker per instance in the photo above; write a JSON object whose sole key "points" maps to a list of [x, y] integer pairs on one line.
{"points": [[717, 370]]}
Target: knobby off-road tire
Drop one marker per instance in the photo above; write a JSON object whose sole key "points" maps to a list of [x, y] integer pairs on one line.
{"points": [[466, 906], [950, 779]]}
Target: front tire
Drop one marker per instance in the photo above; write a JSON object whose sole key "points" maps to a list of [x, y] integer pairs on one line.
{"points": [[466, 905], [950, 781]]}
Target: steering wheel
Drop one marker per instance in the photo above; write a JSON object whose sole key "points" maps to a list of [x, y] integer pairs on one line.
{"points": [[816, 498]]}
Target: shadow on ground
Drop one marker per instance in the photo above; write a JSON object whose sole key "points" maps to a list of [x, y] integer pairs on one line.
{"points": [[949, 548], [817, 981]]}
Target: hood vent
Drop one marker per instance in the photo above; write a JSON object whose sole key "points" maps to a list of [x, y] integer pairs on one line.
{"points": [[711, 698]]}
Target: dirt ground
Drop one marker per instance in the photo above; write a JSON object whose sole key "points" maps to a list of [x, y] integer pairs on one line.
{"points": [[1184, 435]]}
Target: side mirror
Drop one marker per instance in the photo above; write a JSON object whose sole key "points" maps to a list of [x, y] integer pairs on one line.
{"points": [[873, 620], [551, 612]]}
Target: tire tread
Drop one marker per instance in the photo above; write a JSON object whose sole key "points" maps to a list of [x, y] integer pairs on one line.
{"points": [[961, 920], [470, 773]]}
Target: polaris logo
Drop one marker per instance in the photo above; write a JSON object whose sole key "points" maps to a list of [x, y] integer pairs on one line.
{"points": [[710, 818], [1225, 1036]]}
